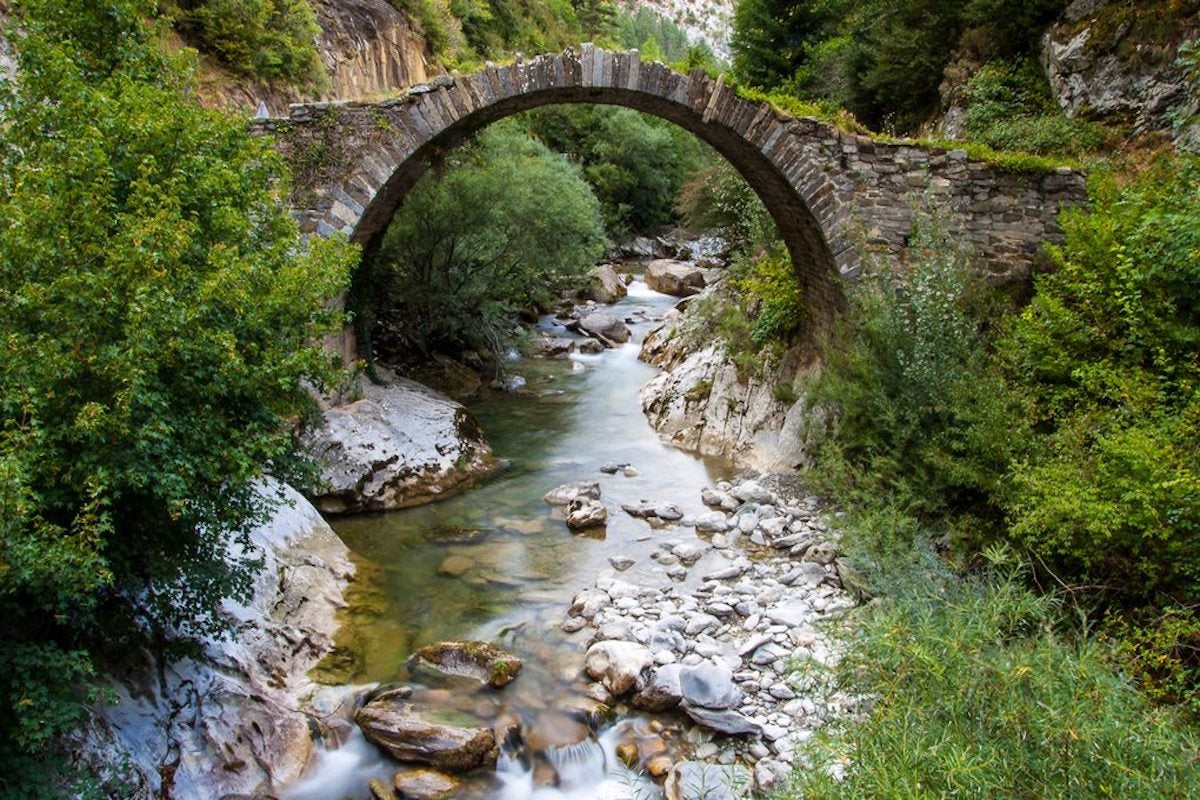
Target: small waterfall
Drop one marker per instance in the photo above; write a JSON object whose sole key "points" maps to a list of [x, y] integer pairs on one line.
{"points": [[343, 772], [578, 765]]}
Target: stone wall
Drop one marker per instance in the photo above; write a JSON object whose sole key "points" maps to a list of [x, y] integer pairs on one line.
{"points": [[831, 192]]}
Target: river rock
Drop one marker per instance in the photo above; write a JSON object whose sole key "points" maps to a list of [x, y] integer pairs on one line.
{"points": [[605, 327], [555, 347], [401, 445], [456, 566], [675, 278], [605, 285], [233, 718], [591, 347], [662, 691], [568, 492], [709, 685], [584, 513], [424, 784], [483, 661], [822, 553], [726, 720], [712, 522], [618, 665], [404, 732], [695, 780]]}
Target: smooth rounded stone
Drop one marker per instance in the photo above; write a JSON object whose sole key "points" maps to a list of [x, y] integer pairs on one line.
{"points": [[767, 654], [712, 498], [719, 609], [573, 624], [773, 732], [781, 691], [483, 661], [617, 631], [745, 609], [757, 539], [773, 527], [455, 566], [591, 347], [664, 657], [753, 492], [806, 575], [584, 513], [564, 494], [671, 622], [699, 623], [588, 603], [725, 720], [596, 691], [378, 789], [709, 685], [605, 285], [719, 541], [555, 347], [604, 327], [618, 665], [692, 659], [617, 589], [401, 730], [612, 469], [755, 642], [424, 784], [752, 621], [688, 552], [746, 523], [676, 278], [630, 471], [627, 603], [665, 559], [823, 553], [712, 522], [735, 571], [759, 750], [663, 691], [677, 573], [708, 649], [668, 511], [620, 563]]}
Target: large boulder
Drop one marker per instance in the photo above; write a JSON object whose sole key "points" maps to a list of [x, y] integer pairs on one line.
{"points": [[605, 327], [483, 661], [234, 719], [407, 734], [401, 445], [676, 278], [618, 665], [605, 285], [585, 513]]}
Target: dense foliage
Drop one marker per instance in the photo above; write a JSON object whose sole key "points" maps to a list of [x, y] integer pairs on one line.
{"points": [[273, 40], [881, 59], [975, 691], [159, 310], [497, 231], [636, 163]]}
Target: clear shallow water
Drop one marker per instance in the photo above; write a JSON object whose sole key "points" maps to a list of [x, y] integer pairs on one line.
{"points": [[499, 564]]}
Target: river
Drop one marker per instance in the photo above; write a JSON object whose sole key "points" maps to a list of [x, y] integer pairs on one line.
{"points": [[498, 564]]}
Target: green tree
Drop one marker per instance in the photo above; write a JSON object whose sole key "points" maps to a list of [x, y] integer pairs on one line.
{"points": [[160, 309], [497, 231], [772, 39], [1107, 352]]}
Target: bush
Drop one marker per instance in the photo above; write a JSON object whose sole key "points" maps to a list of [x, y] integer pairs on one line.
{"points": [[1106, 355], [970, 690], [907, 405], [269, 39], [498, 231], [160, 315]]}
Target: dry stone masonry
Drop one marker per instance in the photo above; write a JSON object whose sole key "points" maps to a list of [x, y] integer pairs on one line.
{"points": [[830, 191]]}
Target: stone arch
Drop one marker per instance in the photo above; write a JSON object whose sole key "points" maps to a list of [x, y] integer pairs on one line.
{"points": [[824, 187]]}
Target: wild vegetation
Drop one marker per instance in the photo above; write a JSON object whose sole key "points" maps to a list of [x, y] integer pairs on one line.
{"points": [[159, 316]]}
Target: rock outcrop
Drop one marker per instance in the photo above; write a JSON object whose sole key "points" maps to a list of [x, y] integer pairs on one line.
{"points": [[409, 735], [605, 285], [232, 721], [1101, 69], [676, 278], [702, 402], [401, 445]]}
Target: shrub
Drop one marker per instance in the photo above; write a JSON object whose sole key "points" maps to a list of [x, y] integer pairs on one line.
{"points": [[1106, 355], [269, 39], [971, 690]]}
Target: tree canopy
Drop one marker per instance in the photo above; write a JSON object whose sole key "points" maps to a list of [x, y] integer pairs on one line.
{"points": [[160, 316]]}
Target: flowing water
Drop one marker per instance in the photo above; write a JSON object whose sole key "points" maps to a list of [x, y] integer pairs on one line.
{"points": [[498, 564]]}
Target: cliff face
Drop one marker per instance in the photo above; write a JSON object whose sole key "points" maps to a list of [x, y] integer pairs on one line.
{"points": [[1104, 62], [369, 50]]}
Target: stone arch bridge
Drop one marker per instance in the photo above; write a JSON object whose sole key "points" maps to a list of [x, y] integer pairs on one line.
{"points": [[831, 192]]}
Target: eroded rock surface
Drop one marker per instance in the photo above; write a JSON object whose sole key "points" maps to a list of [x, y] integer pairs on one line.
{"points": [[401, 445], [232, 720], [409, 734], [482, 661]]}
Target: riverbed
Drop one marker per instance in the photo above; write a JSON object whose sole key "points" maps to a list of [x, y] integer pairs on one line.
{"points": [[499, 564]]}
